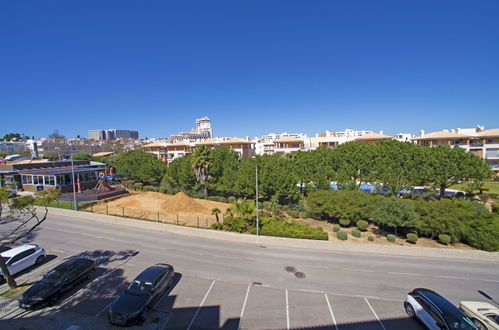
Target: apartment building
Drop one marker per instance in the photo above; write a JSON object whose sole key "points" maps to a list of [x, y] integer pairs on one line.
{"points": [[112, 134]]}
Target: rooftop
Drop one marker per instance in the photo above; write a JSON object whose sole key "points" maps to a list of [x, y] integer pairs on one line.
{"points": [[63, 170]]}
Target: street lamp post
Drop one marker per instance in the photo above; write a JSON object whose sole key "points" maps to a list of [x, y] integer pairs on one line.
{"points": [[73, 178], [256, 195]]}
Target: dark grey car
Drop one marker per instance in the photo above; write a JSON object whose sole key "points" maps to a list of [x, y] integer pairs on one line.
{"points": [[141, 295]]}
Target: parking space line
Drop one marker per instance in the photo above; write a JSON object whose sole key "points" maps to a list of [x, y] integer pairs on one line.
{"points": [[377, 318], [357, 270], [287, 310], [244, 306], [331, 311], [201, 305]]}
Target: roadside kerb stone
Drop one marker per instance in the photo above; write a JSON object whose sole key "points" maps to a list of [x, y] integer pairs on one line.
{"points": [[364, 248]]}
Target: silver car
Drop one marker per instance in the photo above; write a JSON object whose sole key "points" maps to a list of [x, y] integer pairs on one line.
{"points": [[22, 257]]}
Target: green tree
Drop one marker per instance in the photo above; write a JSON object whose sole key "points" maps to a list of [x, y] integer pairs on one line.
{"points": [[354, 163], [81, 156], [216, 211], [25, 218], [3, 154], [11, 137], [449, 166], [180, 174], [223, 166], [277, 180], [393, 213], [201, 160], [245, 210], [140, 166]]}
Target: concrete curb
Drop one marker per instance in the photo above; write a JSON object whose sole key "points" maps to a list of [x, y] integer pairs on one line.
{"points": [[293, 243]]}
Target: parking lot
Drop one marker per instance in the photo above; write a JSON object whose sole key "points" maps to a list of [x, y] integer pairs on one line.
{"points": [[204, 303]]}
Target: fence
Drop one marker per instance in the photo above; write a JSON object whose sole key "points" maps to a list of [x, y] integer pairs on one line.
{"points": [[181, 219]]}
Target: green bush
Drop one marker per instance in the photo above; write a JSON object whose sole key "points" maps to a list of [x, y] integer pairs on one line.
{"points": [[356, 233], [444, 239], [138, 185], [370, 238], [163, 190], [390, 238], [362, 225], [290, 228], [412, 238], [293, 213], [234, 224], [217, 199], [303, 215], [342, 235], [150, 188], [336, 228], [320, 228], [217, 226], [231, 199], [495, 207], [344, 222]]}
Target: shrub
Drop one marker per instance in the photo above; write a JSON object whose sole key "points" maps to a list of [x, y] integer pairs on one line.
{"points": [[138, 186], [336, 228], [412, 238], [444, 239], [390, 238], [217, 226], [356, 233], [293, 213], [320, 228], [290, 228], [342, 235], [231, 199], [344, 222], [362, 225], [150, 188], [495, 207], [303, 215], [370, 238], [163, 190], [234, 224]]}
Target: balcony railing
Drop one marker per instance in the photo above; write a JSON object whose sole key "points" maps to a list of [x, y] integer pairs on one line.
{"points": [[476, 144]]}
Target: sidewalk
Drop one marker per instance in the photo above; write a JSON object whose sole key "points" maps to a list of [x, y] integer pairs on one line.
{"points": [[329, 246]]}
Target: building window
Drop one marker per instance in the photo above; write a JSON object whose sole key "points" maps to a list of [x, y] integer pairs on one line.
{"points": [[49, 180]]}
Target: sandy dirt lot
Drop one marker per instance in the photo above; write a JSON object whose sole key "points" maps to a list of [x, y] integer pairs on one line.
{"points": [[166, 208]]}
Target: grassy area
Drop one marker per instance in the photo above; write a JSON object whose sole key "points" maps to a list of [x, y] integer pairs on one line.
{"points": [[65, 204], [12, 292], [492, 186]]}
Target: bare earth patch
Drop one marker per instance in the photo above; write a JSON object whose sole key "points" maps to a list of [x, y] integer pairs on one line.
{"points": [[379, 236]]}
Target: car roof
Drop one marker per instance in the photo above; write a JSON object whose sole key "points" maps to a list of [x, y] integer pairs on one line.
{"points": [[150, 274], [19, 249], [70, 263], [442, 304]]}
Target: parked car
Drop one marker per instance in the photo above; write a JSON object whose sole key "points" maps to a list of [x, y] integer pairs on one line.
{"points": [[141, 295], [484, 315], [22, 257], [57, 281], [435, 312]]}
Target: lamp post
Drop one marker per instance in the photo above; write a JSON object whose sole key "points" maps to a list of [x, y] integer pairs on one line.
{"points": [[73, 177], [256, 195]]}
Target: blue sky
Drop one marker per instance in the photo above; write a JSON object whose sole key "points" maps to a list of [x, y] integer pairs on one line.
{"points": [[253, 67]]}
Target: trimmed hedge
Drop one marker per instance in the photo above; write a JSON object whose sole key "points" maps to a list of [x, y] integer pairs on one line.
{"points": [[342, 235], [444, 239], [412, 238], [362, 225], [370, 238], [344, 222], [282, 228], [356, 233], [336, 228], [390, 238]]}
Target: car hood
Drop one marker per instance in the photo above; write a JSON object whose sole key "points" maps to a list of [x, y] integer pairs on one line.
{"points": [[39, 290], [127, 304]]}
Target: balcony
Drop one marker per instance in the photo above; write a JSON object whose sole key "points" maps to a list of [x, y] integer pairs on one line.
{"points": [[476, 144]]}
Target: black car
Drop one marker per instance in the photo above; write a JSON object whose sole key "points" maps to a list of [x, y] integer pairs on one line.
{"points": [[141, 295], [57, 281]]}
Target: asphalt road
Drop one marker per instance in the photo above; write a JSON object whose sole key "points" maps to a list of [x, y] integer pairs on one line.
{"points": [[229, 285]]}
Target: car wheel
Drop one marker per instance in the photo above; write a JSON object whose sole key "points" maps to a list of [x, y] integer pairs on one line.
{"points": [[410, 310], [54, 299], [40, 259], [479, 324], [2, 278]]}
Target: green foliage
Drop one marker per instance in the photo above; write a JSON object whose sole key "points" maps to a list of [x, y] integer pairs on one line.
{"points": [[138, 186], [303, 215], [392, 213], [231, 199], [495, 207], [347, 205], [81, 156], [483, 232], [444, 239], [3, 154], [12, 137], [150, 188], [362, 225], [201, 161], [370, 238], [412, 238], [276, 179], [342, 235], [234, 224], [356, 233], [390, 238], [293, 213], [344, 222], [180, 174], [282, 228], [140, 166]]}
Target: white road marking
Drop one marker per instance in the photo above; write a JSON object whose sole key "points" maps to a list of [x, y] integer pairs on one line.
{"points": [[408, 274], [287, 310], [451, 277], [314, 266], [377, 318], [493, 281], [357, 270], [331, 311], [244, 306], [201, 305]]}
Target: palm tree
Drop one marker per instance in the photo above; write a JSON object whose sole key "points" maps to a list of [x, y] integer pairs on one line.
{"points": [[216, 211], [244, 210], [201, 160]]}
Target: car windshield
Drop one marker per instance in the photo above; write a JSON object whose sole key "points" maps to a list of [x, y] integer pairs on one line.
{"points": [[460, 322], [139, 288], [52, 277]]}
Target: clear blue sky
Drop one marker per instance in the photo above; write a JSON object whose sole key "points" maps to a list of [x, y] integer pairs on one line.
{"points": [[253, 67]]}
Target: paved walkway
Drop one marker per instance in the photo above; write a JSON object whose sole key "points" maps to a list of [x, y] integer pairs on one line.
{"points": [[364, 248]]}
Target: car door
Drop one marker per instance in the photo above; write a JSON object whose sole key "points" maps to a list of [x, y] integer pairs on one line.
{"points": [[22, 261], [13, 264], [69, 278], [158, 288], [424, 314]]}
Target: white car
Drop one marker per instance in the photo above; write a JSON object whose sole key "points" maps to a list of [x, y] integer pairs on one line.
{"points": [[22, 257], [484, 315]]}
